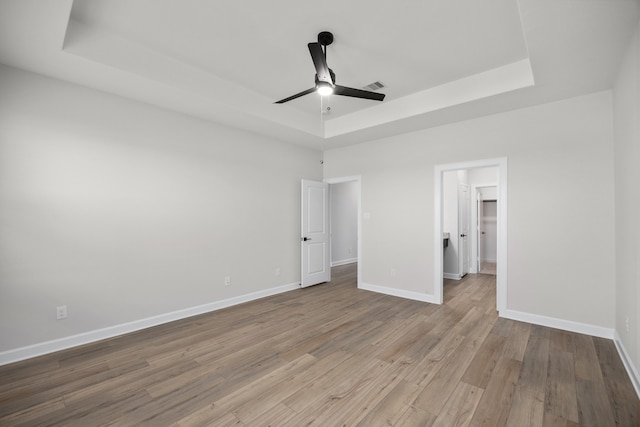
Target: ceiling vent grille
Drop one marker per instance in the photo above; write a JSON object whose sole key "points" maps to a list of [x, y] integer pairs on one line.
{"points": [[374, 86]]}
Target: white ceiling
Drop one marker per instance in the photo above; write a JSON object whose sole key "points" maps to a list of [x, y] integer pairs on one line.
{"points": [[228, 61]]}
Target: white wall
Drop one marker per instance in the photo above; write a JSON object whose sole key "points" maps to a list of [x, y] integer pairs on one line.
{"points": [[480, 177], [123, 211], [489, 193], [344, 222], [559, 155], [626, 112]]}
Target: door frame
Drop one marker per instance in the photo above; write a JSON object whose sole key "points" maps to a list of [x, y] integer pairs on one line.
{"points": [[501, 252], [474, 220], [339, 180]]}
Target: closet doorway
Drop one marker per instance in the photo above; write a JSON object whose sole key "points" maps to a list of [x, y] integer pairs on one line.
{"points": [[486, 229], [462, 170]]}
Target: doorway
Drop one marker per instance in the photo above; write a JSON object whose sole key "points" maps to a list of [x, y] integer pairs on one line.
{"points": [[501, 226], [318, 230], [345, 222], [343, 219], [486, 229]]}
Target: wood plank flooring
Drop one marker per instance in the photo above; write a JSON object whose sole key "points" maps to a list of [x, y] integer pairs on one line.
{"points": [[331, 355], [488, 268]]}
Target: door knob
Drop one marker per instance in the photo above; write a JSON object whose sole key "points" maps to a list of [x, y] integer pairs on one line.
{"points": [[304, 239], [463, 235]]}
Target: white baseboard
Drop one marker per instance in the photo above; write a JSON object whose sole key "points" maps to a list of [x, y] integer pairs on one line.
{"points": [[46, 347], [343, 262], [582, 328], [451, 276], [632, 370], [552, 322], [417, 296]]}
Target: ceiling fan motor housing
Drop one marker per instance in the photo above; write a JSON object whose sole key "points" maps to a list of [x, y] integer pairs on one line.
{"points": [[325, 38], [333, 77]]}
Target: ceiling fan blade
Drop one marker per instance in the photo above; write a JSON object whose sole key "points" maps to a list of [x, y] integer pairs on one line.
{"points": [[297, 95], [357, 93], [322, 70]]}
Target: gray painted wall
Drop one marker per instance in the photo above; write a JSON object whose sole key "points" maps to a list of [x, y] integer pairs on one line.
{"points": [[559, 155], [123, 211], [626, 116]]}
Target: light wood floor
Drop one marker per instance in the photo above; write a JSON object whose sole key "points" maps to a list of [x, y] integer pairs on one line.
{"points": [[331, 355], [488, 268]]}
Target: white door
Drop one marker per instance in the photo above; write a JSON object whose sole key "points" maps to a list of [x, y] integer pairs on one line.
{"points": [[481, 231], [314, 240], [463, 228]]}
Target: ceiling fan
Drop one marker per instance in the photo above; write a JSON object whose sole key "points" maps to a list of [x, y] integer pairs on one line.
{"points": [[326, 78]]}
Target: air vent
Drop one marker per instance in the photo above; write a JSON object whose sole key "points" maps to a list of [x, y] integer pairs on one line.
{"points": [[374, 86]]}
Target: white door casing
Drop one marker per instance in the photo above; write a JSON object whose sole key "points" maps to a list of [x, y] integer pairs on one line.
{"points": [[314, 241]]}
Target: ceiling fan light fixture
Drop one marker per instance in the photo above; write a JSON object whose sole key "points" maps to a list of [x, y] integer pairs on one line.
{"points": [[325, 77], [324, 88]]}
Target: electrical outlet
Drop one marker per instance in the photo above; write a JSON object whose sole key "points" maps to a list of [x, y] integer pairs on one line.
{"points": [[227, 280], [626, 324], [61, 312], [349, 251], [277, 271], [393, 272]]}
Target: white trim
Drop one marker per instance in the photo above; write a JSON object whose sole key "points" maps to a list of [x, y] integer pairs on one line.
{"points": [[501, 270], [452, 276], [46, 347], [632, 371], [552, 322], [358, 180], [416, 296], [342, 179], [344, 262]]}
